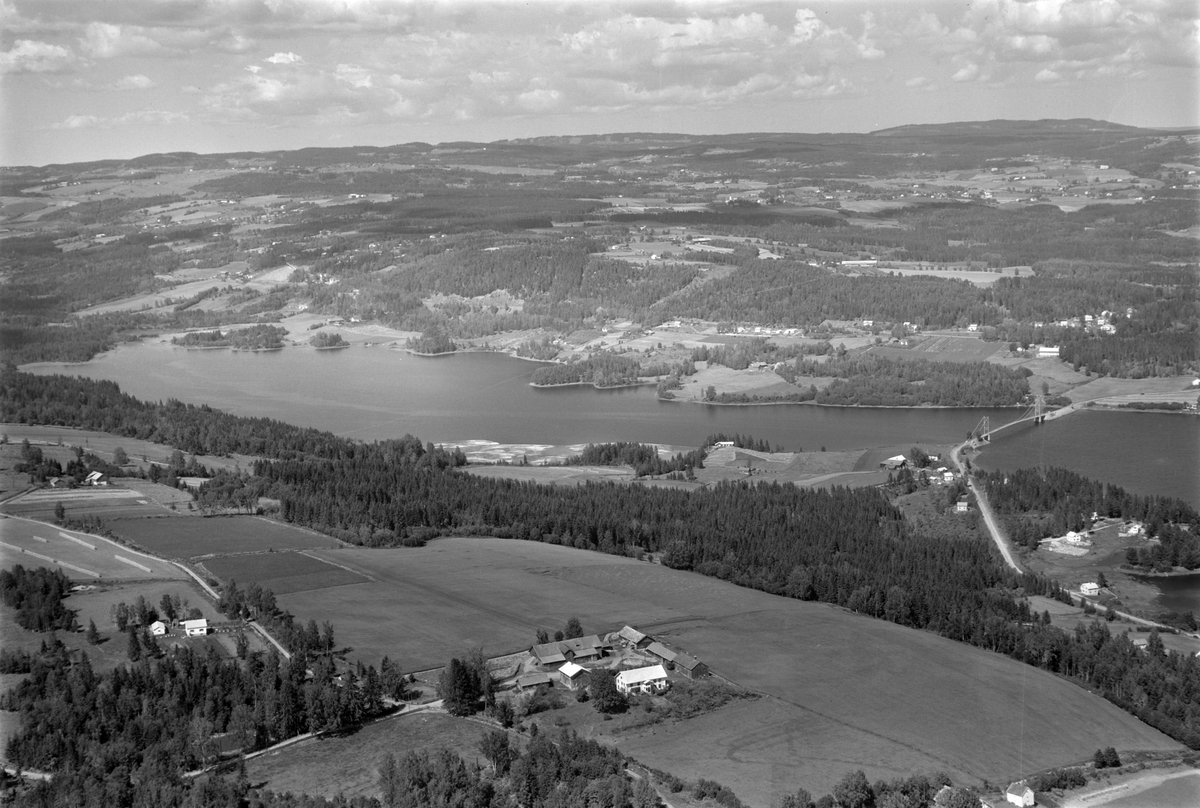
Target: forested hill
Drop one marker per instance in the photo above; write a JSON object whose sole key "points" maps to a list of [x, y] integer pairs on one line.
{"points": [[850, 547]]}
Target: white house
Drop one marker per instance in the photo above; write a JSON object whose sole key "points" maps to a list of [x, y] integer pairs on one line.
{"points": [[652, 679], [1090, 588], [195, 628], [1047, 352], [158, 628], [95, 478], [1020, 794]]}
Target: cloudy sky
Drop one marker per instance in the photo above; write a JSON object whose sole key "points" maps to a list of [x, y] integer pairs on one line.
{"points": [[90, 79]]}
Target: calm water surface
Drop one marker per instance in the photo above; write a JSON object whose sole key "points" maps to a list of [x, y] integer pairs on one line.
{"points": [[377, 393]]}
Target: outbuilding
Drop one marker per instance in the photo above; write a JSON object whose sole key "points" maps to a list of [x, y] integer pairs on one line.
{"points": [[662, 652], [690, 667], [633, 638], [158, 628], [572, 676], [532, 680]]}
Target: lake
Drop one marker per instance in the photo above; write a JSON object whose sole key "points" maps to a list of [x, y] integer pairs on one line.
{"points": [[378, 393]]}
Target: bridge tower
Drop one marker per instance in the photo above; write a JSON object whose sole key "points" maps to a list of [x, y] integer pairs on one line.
{"points": [[983, 431], [1039, 409]]}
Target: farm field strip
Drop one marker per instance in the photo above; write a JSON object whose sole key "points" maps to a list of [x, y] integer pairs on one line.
{"points": [[81, 553], [282, 573]]}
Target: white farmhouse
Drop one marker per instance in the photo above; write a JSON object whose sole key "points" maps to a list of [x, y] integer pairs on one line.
{"points": [[1020, 794], [195, 628], [652, 679]]}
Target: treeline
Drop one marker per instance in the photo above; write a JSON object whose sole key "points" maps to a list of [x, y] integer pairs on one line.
{"points": [[604, 369], [874, 381], [254, 338], [37, 596], [643, 458]]}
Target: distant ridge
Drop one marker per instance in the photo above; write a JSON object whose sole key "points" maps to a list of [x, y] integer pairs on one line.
{"points": [[1044, 126]]}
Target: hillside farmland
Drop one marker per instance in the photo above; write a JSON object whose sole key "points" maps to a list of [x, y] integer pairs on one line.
{"points": [[841, 691]]}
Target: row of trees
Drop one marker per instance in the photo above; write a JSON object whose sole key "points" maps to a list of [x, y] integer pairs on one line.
{"points": [[642, 457]]}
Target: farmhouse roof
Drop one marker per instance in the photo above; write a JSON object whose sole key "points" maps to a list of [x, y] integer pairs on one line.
{"points": [[686, 661], [1017, 789], [631, 634], [661, 651], [639, 675], [195, 625]]}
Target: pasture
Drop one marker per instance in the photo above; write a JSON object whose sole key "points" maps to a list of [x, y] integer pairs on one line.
{"points": [[282, 573], [82, 556], [218, 535], [841, 691]]}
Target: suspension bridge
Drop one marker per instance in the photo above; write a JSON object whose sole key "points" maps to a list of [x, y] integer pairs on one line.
{"points": [[1037, 413]]}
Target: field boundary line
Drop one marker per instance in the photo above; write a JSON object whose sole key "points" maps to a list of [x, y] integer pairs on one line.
{"points": [[308, 554], [78, 541], [51, 560]]}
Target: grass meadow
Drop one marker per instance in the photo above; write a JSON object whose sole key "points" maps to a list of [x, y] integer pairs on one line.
{"points": [[81, 556], [840, 691]]}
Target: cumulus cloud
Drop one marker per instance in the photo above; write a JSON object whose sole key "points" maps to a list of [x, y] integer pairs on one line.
{"points": [[136, 82], [31, 56], [138, 117], [288, 58]]}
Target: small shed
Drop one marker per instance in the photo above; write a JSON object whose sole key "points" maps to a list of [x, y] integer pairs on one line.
{"points": [[158, 628], [572, 676], [532, 680], [1020, 794], [195, 628], [652, 679]]}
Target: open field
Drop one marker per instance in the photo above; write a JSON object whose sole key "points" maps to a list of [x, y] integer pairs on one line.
{"points": [[555, 475], [727, 380], [81, 556], [1119, 391], [842, 691], [942, 348], [977, 277], [219, 535], [350, 764], [282, 573], [103, 444]]}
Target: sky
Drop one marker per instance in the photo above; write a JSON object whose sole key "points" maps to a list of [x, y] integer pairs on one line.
{"points": [[96, 79]]}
